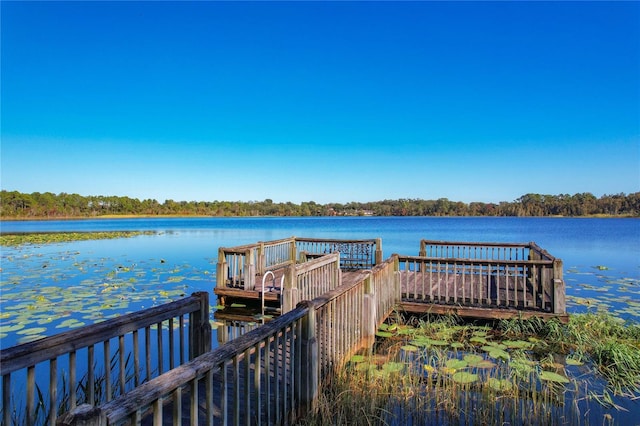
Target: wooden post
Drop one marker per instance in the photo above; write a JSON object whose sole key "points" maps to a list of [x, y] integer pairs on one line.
{"points": [[221, 269], [369, 312], [308, 392], [290, 290], [261, 260], [559, 304], [199, 327], [83, 415], [249, 270], [294, 250], [423, 248], [378, 259], [397, 288]]}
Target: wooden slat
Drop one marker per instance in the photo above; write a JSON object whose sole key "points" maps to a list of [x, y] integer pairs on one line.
{"points": [[22, 356]]}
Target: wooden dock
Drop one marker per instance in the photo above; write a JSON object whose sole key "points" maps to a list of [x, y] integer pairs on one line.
{"points": [[330, 297], [476, 280]]}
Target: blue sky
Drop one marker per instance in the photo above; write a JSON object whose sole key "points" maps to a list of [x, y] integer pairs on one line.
{"points": [[320, 101]]}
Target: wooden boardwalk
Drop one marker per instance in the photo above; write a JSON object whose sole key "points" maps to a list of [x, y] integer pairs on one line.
{"points": [[330, 296], [271, 404]]}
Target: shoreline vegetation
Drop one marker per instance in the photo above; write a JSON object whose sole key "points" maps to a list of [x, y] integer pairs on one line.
{"points": [[15, 205], [441, 370], [195, 216]]}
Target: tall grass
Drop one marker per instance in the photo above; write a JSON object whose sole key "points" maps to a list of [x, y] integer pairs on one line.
{"points": [[442, 371]]}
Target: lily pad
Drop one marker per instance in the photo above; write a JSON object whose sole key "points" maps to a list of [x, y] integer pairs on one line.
{"points": [[393, 367], [409, 348], [30, 338], [357, 358], [500, 385], [473, 359], [496, 353], [517, 344], [456, 364], [31, 331], [465, 377], [573, 361], [550, 376]]}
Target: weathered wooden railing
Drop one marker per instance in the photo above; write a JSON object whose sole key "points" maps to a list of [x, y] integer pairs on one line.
{"points": [[308, 280], [271, 374], [384, 291], [483, 250], [92, 364], [486, 275], [237, 266], [354, 254]]}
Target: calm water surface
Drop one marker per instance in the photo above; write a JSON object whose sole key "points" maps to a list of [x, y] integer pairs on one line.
{"points": [[108, 277], [46, 289]]}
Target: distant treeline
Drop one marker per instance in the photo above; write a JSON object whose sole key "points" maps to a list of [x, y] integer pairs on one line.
{"points": [[14, 204]]}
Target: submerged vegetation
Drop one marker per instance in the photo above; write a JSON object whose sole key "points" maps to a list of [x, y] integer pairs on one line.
{"points": [[44, 293], [65, 237], [443, 371], [16, 205]]}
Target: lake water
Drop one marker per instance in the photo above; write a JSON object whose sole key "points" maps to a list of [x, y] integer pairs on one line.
{"points": [[46, 289], [51, 288]]}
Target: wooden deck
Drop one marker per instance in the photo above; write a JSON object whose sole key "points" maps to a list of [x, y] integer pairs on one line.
{"points": [[472, 295], [272, 289], [328, 310]]}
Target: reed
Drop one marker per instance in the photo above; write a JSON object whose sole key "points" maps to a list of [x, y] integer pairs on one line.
{"points": [[441, 371]]}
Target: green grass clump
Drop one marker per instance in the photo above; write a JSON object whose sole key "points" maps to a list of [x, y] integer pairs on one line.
{"points": [[440, 371]]}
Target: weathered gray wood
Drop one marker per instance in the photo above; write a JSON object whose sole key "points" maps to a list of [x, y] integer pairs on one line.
{"points": [[83, 415], [559, 303], [29, 355], [53, 390], [475, 312], [31, 385], [22, 356], [148, 392], [6, 399], [302, 346]]}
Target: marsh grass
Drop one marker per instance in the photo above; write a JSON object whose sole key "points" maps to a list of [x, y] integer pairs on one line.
{"points": [[441, 371]]}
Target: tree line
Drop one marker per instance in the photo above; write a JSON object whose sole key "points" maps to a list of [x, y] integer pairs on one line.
{"points": [[17, 205]]}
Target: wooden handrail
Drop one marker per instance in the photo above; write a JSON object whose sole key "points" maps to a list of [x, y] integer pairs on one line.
{"points": [[27, 356], [146, 394], [314, 348], [477, 261], [535, 283]]}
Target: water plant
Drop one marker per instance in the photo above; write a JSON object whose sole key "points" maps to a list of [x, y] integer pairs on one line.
{"points": [[12, 240], [441, 370]]}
